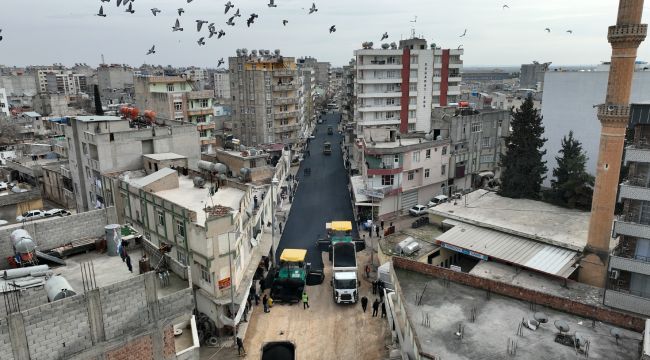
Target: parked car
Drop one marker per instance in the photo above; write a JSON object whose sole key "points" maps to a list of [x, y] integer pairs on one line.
{"points": [[438, 200], [418, 210], [30, 215], [56, 212], [3, 186]]}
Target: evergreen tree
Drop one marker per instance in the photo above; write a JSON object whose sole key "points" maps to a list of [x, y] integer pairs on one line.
{"points": [[98, 102], [523, 168], [573, 186]]}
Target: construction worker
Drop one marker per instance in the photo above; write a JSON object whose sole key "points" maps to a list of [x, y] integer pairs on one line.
{"points": [[364, 303], [305, 300]]}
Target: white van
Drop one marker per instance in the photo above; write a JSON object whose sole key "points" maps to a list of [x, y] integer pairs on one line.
{"points": [[437, 200]]}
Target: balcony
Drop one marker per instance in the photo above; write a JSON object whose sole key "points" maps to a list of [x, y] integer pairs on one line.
{"points": [[379, 108], [638, 153], [205, 140], [205, 126], [388, 170], [285, 87], [628, 228], [286, 128], [379, 80], [285, 114], [285, 72], [634, 264], [634, 189], [200, 111], [202, 94], [285, 101], [626, 300], [395, 94], [376, 65]]}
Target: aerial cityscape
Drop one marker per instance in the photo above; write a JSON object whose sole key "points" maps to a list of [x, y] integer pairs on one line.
{"points": [[217, 180]]}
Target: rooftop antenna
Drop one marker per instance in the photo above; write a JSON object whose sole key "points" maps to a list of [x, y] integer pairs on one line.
{"points": [[415, 20], [103, 62]]}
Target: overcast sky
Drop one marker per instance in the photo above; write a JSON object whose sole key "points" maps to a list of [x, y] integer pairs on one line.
{"points": [[47, 31]]}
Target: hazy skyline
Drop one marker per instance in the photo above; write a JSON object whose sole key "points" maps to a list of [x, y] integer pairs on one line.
{"points": [[38, 32]]}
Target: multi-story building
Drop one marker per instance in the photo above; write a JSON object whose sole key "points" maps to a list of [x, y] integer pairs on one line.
{"points": [[53, 104], [307, 96], [104, 144], [222, 86], [65, 82], [265, 100], [115, 83], [174, 98], [628, 287], [56, 185], [531, 76], [398, 87], [347, 92], [321, 69], [398, 171], [4, 103], [476, 144]]}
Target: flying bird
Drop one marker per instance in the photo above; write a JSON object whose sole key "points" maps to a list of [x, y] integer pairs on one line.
{"points": [[272, 3], [460, 47], [547, 30], [189, 1], [220, 62], [101, 11], [119, 2], [220, 34], [284, 22], [177, 26], [464, 33], [0, 35], [332, 29], [230, 21], [106, 0], [152, 50], [229, 6], [130, 9], [200, 41], [251, 19], [313, 8], [199, 24], [570, 31], [506, 6], [237, 14], [155, 11], [180, 11], [385, 36]]}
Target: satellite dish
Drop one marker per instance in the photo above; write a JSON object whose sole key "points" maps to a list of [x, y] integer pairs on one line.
{"points": [[616, 333], [562, 326], [581, 339], [541, 317]]}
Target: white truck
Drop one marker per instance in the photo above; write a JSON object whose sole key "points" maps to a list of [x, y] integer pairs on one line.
{"points": [[345, 284]]}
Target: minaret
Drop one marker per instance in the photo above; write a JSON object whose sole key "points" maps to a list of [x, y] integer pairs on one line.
{"points": [[625, 37]]}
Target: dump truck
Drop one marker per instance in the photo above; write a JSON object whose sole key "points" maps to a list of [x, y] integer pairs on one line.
{"points": [[327, 148], [289, 279]]}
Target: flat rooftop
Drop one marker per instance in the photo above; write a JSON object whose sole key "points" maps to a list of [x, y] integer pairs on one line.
{"points": [[531, 219], [497, 320], [92, 118], [424, 235], [196, 199], [164, 156]]}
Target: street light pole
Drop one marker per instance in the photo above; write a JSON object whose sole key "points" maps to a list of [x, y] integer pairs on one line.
{"points": [[274, 183]]}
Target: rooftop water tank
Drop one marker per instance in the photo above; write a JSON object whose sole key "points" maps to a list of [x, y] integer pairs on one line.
{"points": [[57, 288], [113, 238], [22, 242]]}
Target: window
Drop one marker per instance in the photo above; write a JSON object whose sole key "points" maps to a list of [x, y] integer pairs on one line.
{"points": [[396, 158], [387, 180], [203, 103], [390, 115], [411, 127], [486, 142], [180, 228], [476, 127], [205, 274], [203, 133], [178, 106], [414, 59], [411, 114], [486, 158], [443, 169], [426, 173], [390, 101], [161, 217], [416, 156], [444, 150], [181, 257], [413, 87], [411, 175], [428, 154], [170, 87], [412, 101], [391, 60]]}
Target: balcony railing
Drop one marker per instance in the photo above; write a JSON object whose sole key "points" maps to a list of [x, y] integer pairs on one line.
{"points": [[285, 101], [285, 114], [285, 87], [200, 111], [285, 72], [205, 126], [639, 152], [621, 298]]}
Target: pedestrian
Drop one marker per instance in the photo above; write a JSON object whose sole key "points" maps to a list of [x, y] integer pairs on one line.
{"points": [[245, 314], [370, 231], [364, 303], [240, 347], [382, 224], [270, 303], [374, 287], [377, 230], [383, 309], [255, 202], [249, 301], [128, 263], [290, 198], [265, 302], [280, 226], [257, 299], [305, 300], [367, 271], [267, 261], [375, 307]]}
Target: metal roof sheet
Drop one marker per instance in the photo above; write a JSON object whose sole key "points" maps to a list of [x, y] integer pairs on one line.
{"points": [[524, 252]]}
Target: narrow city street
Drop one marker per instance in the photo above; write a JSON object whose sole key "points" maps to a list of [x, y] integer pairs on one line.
{"points": [[322, 196]]}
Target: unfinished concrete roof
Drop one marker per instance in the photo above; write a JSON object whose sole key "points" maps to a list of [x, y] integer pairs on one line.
{"points": [[164, 156], [91, 118], [497, 320], [527, 218], [153, 177]]}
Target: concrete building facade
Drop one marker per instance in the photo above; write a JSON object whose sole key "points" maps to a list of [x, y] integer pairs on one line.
{"points": [[115, 83], [222, 86], [265, 99], [399, 87], [4, 103], [531, 76]]}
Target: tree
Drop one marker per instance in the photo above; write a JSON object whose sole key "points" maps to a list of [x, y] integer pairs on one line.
{"points": [[572, 186], [523, 167], [98, 102]]}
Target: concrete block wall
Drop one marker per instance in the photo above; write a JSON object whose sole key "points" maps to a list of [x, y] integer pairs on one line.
{"points": [[124, 307], [28, 298], [54, 232], [177, 303], [58, 329], [6, 352], [17, 198], [624, 320], [140, 348]]}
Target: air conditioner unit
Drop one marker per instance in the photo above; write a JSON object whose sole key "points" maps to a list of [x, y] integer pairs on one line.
{"points": [[614, 274]]}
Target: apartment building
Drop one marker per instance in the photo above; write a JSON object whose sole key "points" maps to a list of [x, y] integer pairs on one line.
{"points": [[103, 144], [476, 143], [65, 82], [628, 286], [322, 70], [399, 86], [398, 172], [222, 86], [307, 100], [531, 76], [347, 92], [265, 100], [174, 98], [4, 103], [115, 83]]}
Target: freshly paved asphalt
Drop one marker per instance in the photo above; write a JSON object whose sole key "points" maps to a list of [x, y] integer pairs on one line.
{"points": [[321, 197]]}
